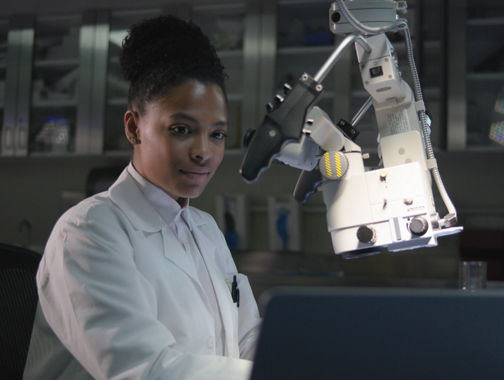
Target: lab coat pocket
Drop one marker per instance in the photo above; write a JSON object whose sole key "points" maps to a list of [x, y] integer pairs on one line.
{"points": [[233, 284], [247, 312]]}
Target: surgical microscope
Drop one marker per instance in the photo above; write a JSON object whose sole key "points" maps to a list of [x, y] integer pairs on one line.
{"points": [[369, 210]]}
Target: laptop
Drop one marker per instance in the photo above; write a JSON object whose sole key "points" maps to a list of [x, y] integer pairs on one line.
{"points": [[381, 333]]}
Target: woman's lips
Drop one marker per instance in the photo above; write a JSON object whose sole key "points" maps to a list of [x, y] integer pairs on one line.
{"points": [[195, 173]]}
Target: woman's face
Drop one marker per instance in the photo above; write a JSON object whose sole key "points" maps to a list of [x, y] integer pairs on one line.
{"points": [[181, 138]]}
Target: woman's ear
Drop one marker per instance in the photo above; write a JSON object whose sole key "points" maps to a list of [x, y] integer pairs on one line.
{"points": [[131, 126]]}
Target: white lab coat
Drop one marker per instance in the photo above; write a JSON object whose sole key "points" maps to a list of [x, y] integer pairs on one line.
{"points": [[119, 297]]}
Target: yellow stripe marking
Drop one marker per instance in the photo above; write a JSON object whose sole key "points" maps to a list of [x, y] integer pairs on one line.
{"points": [[338, 164], [328, 164]]}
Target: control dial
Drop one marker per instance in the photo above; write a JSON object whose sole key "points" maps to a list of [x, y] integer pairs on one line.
{"points": [[418, 226], [366, 234]]}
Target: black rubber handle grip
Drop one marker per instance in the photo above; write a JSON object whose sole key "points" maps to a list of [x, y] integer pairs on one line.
{"points": [[284, 122], [266, 142], [307, 184]]}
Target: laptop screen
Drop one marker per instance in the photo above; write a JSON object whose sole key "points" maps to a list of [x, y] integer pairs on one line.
{"points": [[381, 333]]}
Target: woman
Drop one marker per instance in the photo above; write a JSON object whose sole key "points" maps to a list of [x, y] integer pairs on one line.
{"points": [[134, 283]]}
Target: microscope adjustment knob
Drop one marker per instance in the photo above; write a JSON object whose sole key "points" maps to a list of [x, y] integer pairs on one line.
{"points": [[366, 234], [418, 226], [333, 165]]}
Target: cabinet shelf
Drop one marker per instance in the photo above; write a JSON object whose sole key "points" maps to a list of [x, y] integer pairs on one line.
{"points": [[56, 63], [294, 50], [123, 101], [235, 97], [235, 53], [490, 21], [230, 53], [118, 102], [497, 76], [118, 153], [432, 44], [51, 154], [53, 103]]}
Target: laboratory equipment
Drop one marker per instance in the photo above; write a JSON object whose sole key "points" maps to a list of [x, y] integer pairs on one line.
{"points": [[368, 210]]}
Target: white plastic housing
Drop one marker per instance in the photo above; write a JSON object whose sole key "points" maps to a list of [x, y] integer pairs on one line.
{"points": [[374, 13], [384, 199]]}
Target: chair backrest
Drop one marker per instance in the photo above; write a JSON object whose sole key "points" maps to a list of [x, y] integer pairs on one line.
{"points": [[18, 303], [99, 179]]}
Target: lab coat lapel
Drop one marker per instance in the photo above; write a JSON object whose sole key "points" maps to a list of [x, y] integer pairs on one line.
{"points": [[126, 194], [174, 251], [222, 291]]}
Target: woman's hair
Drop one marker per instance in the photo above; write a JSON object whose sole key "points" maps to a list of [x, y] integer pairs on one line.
{"points": [[163, 52]]}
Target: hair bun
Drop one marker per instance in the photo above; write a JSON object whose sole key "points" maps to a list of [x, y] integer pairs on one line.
{"points": [[164, 40]]}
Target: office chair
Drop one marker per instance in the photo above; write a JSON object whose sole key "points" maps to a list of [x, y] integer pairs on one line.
{"points": [[18, 303], [99, 179]]}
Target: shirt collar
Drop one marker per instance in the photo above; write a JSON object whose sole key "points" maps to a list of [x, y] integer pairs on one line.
{"points": [[167, 207]]}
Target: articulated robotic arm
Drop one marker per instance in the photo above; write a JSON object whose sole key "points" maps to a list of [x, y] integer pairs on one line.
{"points": [[367, 210]]}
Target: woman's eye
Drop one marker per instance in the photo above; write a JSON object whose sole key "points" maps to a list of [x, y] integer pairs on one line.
{"points": [[180, 130], [219, 135]]}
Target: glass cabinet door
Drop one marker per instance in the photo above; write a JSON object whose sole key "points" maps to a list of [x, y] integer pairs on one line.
{"points": [[225, 27], [476, 75], [3, 66], [304, 42], [429, 39], [55, 78], [485, 75]]}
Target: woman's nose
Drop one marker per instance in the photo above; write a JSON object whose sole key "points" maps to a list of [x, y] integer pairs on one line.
{"points": [[200, 149]]}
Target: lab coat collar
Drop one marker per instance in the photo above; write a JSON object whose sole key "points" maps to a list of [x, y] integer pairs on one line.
{"points": [[166, 206], [126, 194]]}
